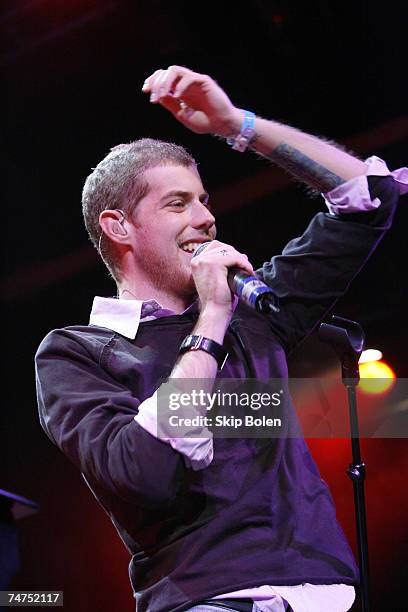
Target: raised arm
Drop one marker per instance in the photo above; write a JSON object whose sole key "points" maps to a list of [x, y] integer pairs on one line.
{"points": [[199, 103], [314, 270]]}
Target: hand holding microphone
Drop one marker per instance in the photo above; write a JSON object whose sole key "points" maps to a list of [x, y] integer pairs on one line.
{"points": [[246, 286]]}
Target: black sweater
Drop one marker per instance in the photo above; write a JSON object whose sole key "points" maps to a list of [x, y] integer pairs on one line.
{"points": [[259, 513]]}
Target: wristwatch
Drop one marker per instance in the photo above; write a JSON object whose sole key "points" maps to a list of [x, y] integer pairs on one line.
{"points": [[199, 343]]}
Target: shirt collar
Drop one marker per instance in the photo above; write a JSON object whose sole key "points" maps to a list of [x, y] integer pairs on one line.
{"points": [[124, 316]]}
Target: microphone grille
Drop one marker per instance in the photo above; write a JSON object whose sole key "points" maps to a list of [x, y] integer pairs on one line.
{"points": [[201, 248]]}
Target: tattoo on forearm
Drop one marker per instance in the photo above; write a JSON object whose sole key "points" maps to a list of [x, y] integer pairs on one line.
{"points": [[305, 169]]}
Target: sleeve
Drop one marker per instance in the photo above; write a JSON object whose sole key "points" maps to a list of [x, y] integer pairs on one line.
{"points": [[354, 195], [195, 444], [316, 269], [90, 417]]}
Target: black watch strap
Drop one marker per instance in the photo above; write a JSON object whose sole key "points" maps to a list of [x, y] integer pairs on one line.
{"points": [[199, 343]]}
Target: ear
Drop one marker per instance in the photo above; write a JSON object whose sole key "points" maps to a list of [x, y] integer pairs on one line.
{"points": [[114, 226]]}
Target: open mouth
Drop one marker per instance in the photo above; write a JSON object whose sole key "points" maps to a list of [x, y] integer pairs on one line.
{"points": [[190, 247]]}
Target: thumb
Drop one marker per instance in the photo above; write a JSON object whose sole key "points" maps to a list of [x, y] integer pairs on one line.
{"points": [[178, 109]]}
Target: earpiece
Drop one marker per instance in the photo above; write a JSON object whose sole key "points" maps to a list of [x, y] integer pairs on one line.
{"points": [[111, 225], [118, 227]]}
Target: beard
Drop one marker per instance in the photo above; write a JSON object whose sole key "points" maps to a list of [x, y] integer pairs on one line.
{"points": [[170, 276]]}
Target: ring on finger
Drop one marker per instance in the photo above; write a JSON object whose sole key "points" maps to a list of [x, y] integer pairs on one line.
{"points": [[188, 111]]}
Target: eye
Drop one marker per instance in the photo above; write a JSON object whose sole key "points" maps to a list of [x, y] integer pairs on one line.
{"points": [[177, 204]]}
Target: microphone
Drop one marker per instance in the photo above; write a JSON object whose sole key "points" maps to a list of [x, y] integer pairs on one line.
{"points": [[248, 288]]}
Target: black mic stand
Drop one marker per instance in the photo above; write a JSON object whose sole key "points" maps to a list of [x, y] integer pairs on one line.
{"points": [[347, 339]]}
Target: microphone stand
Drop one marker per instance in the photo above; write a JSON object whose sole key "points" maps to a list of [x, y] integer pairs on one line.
{"points": [[347, 339]]}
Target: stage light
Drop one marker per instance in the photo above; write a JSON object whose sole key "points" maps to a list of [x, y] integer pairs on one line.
{"points": [[370, 355], [376, 377]]}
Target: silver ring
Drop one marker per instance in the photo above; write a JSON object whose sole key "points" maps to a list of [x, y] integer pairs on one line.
{"points": [[224, 252], [188, 111]]}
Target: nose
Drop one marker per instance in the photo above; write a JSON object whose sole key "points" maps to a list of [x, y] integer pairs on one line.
{"points": [[202, 218]]}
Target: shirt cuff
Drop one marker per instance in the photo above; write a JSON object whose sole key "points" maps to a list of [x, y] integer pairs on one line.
{"points": [[354, 195], [198, 452]]}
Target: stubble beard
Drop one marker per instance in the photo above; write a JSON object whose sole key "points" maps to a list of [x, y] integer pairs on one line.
{"points": [[173, 278]]}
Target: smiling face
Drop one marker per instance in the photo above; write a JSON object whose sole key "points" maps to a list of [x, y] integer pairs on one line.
{"points": [[168, 224]]}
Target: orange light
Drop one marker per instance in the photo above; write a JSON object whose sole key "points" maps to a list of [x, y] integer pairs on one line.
{"points": [[376, 377]]}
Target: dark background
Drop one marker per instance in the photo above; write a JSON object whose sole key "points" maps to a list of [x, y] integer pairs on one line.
{"points": [[72, 77]]}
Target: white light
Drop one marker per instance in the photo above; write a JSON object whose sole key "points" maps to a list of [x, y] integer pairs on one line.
{"points": [[370, 355]]}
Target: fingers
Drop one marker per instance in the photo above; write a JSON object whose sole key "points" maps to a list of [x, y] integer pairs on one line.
{"points": [[173, 105], [163, 83], [203, 106], [186, 83], [150, 80], [178, 108], [217, 253]]}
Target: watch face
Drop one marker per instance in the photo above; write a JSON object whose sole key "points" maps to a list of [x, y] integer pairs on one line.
{"points": [[191, 342], [195, 343], [185, 343]]}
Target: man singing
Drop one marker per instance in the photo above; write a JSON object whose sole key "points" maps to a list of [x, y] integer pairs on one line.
{"points": [[212, 523]]}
